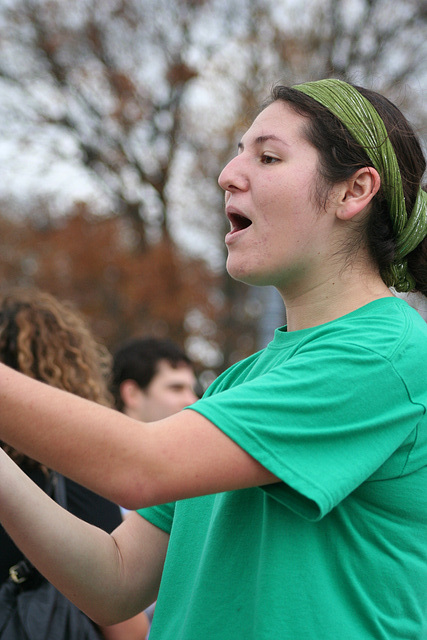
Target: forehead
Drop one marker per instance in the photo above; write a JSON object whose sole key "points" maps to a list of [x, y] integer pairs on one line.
{"points": [[165, 371], [278, 120]]}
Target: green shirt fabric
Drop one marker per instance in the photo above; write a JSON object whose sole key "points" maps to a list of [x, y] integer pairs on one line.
{"points": [[338, 548]]}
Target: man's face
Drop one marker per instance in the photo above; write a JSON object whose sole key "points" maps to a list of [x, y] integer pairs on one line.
{"points": [[170, 390]]}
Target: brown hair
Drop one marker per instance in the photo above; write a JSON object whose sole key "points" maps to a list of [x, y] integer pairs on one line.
{"points": [[50, 341], [340, 156]]}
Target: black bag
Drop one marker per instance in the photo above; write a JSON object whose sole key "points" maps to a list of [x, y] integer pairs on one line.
{"points": [[33, 609]]}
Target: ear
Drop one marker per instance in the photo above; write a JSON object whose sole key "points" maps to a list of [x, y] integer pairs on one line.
{"points": [[130, 393], [358, 192]]}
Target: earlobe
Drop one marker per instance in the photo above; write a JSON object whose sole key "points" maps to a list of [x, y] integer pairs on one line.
{"points": [[358, 192]]}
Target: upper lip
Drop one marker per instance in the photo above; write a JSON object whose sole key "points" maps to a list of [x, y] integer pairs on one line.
{"points": [[237, 218]]}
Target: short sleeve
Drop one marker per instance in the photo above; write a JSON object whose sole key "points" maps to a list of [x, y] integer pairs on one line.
{"points": [[323, 422]]}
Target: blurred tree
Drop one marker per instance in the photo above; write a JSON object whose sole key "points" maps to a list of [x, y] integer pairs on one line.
{"points": [[105, 77]]}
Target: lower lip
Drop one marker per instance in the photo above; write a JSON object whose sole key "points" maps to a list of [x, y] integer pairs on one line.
{"points": [[232, 236]]}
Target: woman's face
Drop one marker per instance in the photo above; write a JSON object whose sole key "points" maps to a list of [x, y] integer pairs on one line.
{"points": [[278, 234]]}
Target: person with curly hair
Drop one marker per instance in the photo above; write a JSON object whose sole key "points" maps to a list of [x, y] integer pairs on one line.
{"points": [[50, 341]]}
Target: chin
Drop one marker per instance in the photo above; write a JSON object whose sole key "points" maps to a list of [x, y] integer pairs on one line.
{"points": [[266, 278], [237, 271], [243, 275]]}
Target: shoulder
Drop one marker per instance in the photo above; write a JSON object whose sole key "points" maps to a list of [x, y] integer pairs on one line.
{"points": [[387, 327], [387, 338]]}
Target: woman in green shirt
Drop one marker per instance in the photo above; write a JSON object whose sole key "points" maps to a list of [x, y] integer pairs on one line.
{"points": [[293, 496]]}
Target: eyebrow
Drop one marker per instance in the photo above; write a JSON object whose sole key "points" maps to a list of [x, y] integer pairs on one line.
{"points": [[261, 139]]}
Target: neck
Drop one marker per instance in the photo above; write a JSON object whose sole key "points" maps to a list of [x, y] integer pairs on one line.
{"points": [[332, 298]]}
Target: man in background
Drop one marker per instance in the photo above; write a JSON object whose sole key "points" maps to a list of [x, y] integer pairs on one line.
{"points": [[152, 379]]}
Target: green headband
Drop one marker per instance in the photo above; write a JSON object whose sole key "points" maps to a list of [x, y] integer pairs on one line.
{"points": [[366, 126]]}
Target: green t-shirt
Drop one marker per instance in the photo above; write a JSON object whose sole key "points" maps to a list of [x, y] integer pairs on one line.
{"points": [[339, 548]]}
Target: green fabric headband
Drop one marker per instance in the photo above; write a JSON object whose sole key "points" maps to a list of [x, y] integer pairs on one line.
{"points": [[366, 126]]}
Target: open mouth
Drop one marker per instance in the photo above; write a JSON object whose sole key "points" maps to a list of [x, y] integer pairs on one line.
{"points": [[238, 222]]}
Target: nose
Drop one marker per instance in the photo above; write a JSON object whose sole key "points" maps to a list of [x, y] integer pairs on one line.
{"points": [[233, 177]]}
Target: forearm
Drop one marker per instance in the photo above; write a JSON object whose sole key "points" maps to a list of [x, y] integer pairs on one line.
{"points": [[79, 559], [81, 439]]}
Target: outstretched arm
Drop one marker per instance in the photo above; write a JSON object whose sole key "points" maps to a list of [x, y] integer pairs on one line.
{"points": [[131, 463], [110, 577]]}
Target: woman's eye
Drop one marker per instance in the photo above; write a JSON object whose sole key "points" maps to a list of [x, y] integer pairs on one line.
{"points": [[267, 159]]}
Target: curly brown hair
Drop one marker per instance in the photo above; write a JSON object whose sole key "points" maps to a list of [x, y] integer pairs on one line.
{"points": [[50, 341]]}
